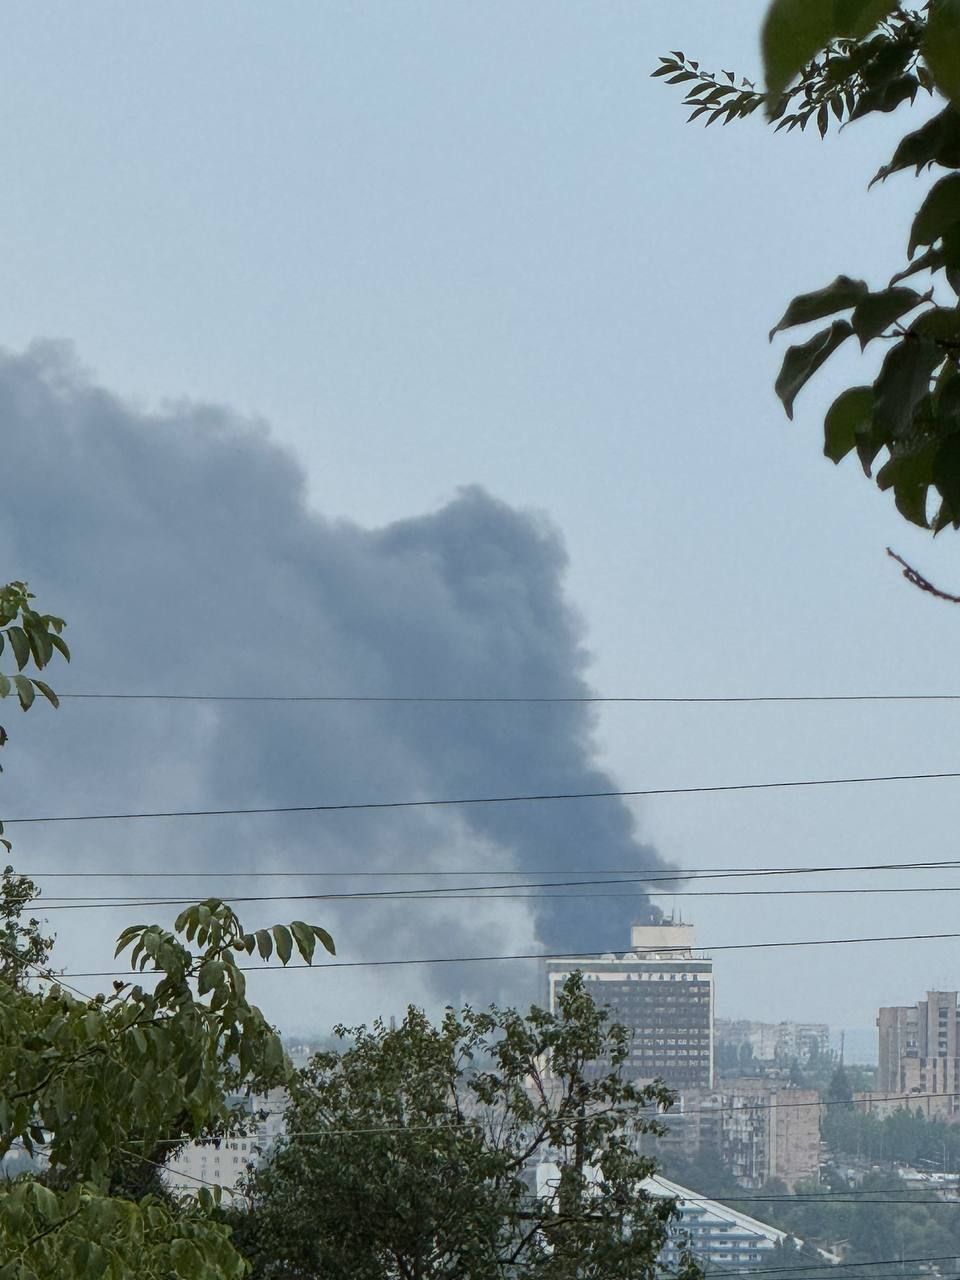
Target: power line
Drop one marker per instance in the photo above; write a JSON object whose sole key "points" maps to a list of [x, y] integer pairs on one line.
{"points": [[630, 875], [736, 1105], [541, 955], [838, 1266], [743, 1105], [472, 893], [534, 797], [531, 699]]}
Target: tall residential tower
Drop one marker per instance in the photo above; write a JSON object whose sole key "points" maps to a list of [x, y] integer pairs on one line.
{"points": [[663, 992]]}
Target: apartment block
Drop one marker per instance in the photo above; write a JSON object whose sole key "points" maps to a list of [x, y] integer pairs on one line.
{"points": [[663, 992], [919, 1046], [759, 1129], [720, 1238], [775, 1041]]}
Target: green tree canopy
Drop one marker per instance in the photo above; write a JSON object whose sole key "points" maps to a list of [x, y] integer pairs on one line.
{"points": [[412, 1152]]}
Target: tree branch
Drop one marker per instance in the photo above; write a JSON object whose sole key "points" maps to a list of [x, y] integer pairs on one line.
{"points": [[918, 580]]}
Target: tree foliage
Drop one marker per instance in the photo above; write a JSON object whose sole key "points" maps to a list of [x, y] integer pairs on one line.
{"points": [[96, 1085], [31, 639], [101, 1090], [23, 945], [409, 1154], [843, 60]]}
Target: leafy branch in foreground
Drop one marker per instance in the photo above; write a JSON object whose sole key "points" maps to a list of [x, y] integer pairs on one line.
{"points": [[97, 1085], [845, 61], [102, 1090], [31, 638]]}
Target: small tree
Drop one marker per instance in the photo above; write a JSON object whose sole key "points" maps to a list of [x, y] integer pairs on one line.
{"points": [[840, 1092], [412, 1154]]}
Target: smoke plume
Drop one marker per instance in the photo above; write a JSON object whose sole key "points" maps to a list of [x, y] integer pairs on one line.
{"points": [[181, 549]]}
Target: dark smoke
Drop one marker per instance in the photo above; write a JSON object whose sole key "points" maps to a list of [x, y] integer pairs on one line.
{"points": [[180, 548]]}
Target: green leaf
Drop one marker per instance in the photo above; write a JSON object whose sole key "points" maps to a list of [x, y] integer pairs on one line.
{"points": [[837, 296], [47, 692], [24, 691], [794, 31], [878, 310], [946, 471], [936, 142], [801, 362], [931, 261], [856, 18], [850, 415], [4, 685], [210, 976], [910, 475], [325, 940], [20, 645], [59, 643], [886, 96], [284, 942], [47, 1204], [264, 944], [941, 47], [939, 212], [942, 324], [304, 938], [903, 381]]}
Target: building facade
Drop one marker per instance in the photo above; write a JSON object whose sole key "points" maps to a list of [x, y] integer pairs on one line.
{"points": [[198, 1164], [663, 993], [759, 1129], [919, 1046], [775, 1042], [719, 1237]]}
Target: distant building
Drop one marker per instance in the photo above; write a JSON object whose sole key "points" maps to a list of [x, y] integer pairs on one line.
{"points": [[943, 1106], [759, 1130], [775, 1042], [221, 1164], [919, 1046], [663, 992], [715, 1234], [719, 1236]]}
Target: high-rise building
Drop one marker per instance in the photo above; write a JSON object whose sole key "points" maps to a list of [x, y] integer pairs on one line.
{"points": [[919, 1046], [663, 992]]}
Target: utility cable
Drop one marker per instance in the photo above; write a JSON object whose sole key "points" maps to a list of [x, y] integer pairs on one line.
{"points": [[554, 956], [472, 893], [630, 875], [533, 797], [575, 699]]}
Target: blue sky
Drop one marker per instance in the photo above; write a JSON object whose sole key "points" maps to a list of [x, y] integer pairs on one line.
{"points": [[443, 245]]}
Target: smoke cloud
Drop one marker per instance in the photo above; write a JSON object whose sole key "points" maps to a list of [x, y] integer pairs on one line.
{"points": [[181, 549]]}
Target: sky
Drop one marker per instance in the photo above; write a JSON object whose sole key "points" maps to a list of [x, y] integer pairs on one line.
{"points": [[423, 349]]}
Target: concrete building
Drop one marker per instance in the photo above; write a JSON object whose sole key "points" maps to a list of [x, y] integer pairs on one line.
{"points": [[919, 1046], [759, 1130], [717, 1235], [204, 1163], [944, 1106], [775, 1042], [663, 992], [767, 1133]]}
